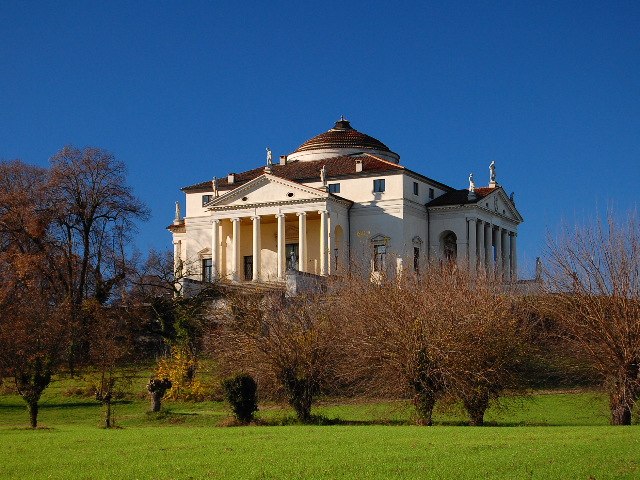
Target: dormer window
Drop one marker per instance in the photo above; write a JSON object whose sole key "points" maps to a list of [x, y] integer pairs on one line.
{"points": [[378, 185], [206, 199], [334, 188]]}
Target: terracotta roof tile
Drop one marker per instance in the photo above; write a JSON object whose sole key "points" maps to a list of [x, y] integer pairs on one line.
{"points": [[342, 135], [305, 171]]}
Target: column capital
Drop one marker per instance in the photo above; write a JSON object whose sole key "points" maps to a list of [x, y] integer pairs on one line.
{"points": [[325, 212], [215, 221], [255, 217], [280, 215], [236, 219], [301, 214]]}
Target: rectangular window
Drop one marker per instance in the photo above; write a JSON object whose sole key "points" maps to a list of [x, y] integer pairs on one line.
{"points": [[334, 188], [431, 193], [379, 257], [378, 185], [207, 270], [416, 190], [206, 199]]}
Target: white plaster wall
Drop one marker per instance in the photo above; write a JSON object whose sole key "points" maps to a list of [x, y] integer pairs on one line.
{"points": [[360, 189]]}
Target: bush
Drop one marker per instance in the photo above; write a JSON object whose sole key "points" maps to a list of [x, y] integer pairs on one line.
{"points": [[240, 391]]}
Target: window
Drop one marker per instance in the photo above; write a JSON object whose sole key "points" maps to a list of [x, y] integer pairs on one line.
{"points": [[416, 190], [379, 257], [334, 188], [432, 194], [378, 185], [207, 270], [206, 199], [416, 259]]}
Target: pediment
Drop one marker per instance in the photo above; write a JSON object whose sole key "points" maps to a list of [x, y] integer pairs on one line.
{"points": [[499, 203], [267, 189]]}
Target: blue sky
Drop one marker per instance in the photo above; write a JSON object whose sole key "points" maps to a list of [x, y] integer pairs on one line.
{"points": [[183, 91]]}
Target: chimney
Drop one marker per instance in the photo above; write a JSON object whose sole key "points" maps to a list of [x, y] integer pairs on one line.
{"points": [[358, 166], [231, 178], [283, 159]]}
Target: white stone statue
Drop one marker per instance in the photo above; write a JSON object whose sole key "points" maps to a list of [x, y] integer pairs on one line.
{"points": [[492, 172], [214, 184], [472, 184], [323, 175], [269, 157], [178, 217]]}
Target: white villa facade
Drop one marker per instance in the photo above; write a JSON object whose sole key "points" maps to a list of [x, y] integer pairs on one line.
{"points": [[341, 201]]}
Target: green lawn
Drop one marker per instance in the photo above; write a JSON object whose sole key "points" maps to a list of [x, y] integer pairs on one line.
{"points": [[546, 436]]}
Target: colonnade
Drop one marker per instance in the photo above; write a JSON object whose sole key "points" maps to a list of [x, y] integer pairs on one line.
{"points": [[257, 274], [492, 247]]}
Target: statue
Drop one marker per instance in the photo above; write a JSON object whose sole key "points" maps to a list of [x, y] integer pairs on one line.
{"points": [[512, 197], [472, 184], [323, 175], [178, 217], [492, 172], [269, 157], [214, 184]]}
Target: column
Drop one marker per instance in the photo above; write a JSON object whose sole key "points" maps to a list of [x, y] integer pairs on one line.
{"points": [[471, 245], [506, 261], [256, 248], [302, 241], [215, 248], [488, 247], [282, 261], [323, 241], [497, 238], [235, 250], [480, 246], [330, 245], [177, 261], [514, 257]]}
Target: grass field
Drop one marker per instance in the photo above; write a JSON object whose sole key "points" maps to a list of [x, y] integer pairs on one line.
{"points": [[554, 435]]}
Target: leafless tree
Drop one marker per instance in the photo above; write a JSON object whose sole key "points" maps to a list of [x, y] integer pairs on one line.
{"points": [[289, 346], [593, 278]]}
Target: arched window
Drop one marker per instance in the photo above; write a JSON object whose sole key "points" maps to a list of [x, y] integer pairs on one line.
{"points": [[449, 245]]}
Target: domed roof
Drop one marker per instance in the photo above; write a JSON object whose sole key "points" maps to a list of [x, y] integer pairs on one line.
{"points": [[342, 135]]}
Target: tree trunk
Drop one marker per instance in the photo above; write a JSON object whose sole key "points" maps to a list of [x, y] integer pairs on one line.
{"points": [[107, 417], [424, 403], [33, 413], [156, 399], [476, 405], [620, 410]]}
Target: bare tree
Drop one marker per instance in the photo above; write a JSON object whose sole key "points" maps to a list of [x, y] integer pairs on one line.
{"points": [[593, 277], [287, 345]]}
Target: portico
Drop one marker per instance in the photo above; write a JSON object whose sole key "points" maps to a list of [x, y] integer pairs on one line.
{"points": [[260, 241]]}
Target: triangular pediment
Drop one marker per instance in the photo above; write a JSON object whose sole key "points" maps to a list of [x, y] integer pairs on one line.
{"points": [[499, 203], [267, 189]]}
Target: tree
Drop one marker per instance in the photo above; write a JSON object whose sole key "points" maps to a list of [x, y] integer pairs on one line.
{"points": [[95, 213], [288, 345], [593, 280], [33, 330], [445, 333]]}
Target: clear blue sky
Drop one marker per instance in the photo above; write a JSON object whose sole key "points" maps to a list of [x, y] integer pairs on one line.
{"points": [[183, 91]]}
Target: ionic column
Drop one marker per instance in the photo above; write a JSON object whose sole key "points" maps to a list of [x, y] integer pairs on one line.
{"points": [[506, 261], [215, 248], [480, 246], [497, 241], [514, 257], [235, 250], [302, 241], [256, 248], [282, 261], [488, 247], [324, 241], [471, 245]]}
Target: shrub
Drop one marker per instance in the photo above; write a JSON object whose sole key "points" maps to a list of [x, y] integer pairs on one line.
{"points": [[240, 391]]}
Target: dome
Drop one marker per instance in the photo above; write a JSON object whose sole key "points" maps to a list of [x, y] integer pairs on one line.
{"points": [[342, 139]]}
